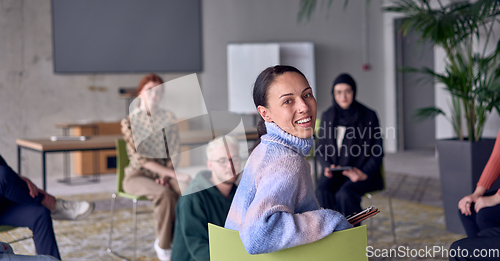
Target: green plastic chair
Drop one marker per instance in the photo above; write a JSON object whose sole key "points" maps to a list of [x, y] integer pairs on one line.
{"points": [[5, 228], [121, 162], [311, 153], [345, 245]]}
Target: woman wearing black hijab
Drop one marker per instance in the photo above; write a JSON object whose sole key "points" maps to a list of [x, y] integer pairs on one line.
{"points": [[349, 136]]}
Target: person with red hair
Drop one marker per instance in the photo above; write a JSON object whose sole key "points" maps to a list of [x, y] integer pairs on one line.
{"points": [[152, 155]]}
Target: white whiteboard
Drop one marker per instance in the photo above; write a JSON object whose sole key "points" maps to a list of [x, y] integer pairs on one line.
{"points": [[300, 56], [246, 60]]}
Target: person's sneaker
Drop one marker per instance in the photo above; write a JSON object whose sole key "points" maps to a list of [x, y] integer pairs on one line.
{"points": [[163, 254], [72, 210]]}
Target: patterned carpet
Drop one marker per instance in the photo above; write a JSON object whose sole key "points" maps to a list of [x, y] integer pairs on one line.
{"points": [[418, 216]]}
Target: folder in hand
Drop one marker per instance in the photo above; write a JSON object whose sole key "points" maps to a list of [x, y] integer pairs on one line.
{"points": [[363, 215]]}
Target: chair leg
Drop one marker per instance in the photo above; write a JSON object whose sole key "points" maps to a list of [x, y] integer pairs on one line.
{"points": [[135, 229], [19, 240], [370, 198], [393, 225], [113, 200]]}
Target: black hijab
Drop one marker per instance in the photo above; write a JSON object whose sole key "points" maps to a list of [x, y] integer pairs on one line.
{"points": [[346, 117], [362, 133], [356, 118]]}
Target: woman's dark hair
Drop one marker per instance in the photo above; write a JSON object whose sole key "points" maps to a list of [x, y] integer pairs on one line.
{"points": [[261, 87], [148, 78]]}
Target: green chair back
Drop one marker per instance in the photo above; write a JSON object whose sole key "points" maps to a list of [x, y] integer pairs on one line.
{"points": [[316, 130], [5, 228], [316, 127], [311, 153], [346, 245], [121, 162]]}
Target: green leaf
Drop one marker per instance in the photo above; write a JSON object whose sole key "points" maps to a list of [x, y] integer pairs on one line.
{"points": [[424, 114]]}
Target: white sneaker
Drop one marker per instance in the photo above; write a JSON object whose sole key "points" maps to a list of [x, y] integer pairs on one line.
{"points": [[72, 210], [163, 254]]}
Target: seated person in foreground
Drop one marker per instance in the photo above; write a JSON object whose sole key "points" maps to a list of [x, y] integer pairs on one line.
{"points": [[349, 136], [206, 200], [274, 206], [485, 243], [22, 204], [480, 211]]}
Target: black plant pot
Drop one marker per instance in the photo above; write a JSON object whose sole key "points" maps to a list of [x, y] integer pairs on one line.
{"points": [[460, 165]]}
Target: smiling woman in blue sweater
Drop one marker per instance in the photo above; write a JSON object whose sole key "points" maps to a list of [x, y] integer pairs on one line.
{"points": [[274, 206]]}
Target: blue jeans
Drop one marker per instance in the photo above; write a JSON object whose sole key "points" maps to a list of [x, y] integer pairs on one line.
{"points": [[19, 209]]}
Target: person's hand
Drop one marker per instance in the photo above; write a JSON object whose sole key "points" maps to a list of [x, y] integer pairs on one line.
{"points": [[488, 201], [163, 181], [48, 200], [465, 203], [355, 174], [33, 189], [328, 173]]}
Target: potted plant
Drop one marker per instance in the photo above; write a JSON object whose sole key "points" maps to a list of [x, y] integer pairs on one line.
{"points": [[471, 76]]}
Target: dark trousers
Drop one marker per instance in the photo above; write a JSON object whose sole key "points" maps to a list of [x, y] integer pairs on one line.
{"points": [[486, 218], [486, 243], [19, 209], [341, 194]]}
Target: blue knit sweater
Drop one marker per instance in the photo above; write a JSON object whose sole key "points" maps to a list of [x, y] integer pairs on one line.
{"points": [[274, 206]]}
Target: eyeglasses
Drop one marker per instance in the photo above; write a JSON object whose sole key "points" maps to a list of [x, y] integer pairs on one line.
{"points": [[224, 161]]}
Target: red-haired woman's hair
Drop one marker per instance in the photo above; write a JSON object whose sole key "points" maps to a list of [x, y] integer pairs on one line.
{"points": [[148, 78]]}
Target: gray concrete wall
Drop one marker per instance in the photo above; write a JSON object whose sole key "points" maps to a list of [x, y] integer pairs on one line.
{"points": [[33, 99], [336, 34]]}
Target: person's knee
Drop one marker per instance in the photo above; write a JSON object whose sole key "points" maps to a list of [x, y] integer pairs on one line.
{"points": [[345, 194], [322, 186], [457, 245], [463, 218], [40, 216], [167, 196], [320, 191], [5, 173], [486, 219]]}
